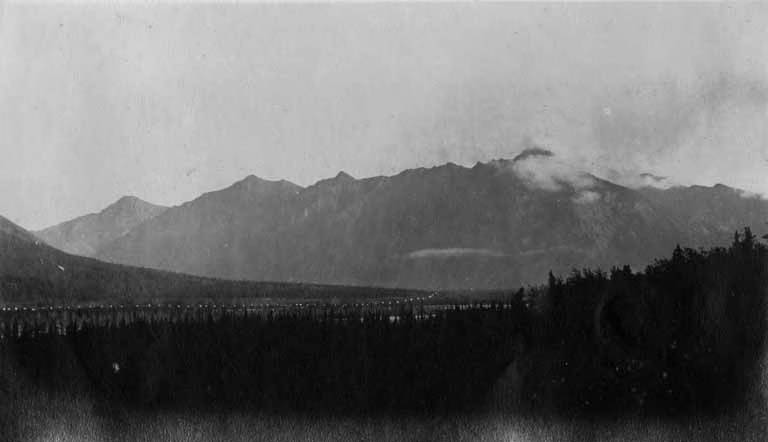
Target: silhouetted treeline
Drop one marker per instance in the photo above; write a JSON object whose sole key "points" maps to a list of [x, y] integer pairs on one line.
{"points": [[333, 361], [685, 335]]}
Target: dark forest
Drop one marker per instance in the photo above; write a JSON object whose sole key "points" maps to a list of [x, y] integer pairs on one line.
{"points": [[684, 336]]}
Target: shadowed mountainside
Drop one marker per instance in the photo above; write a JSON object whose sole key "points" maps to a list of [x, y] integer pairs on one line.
{"points": [[34, 273], [495, 225], [710, 215]]}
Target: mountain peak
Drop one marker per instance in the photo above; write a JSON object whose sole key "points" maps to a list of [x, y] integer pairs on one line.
{"points": [[344, 176], [128, 201], [251, 179], [253, 182], [85, 234], [130, 204], [341, 178], [722, 187]]}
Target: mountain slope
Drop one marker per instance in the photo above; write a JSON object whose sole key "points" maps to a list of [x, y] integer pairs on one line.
{"points": [[495, 225], [710, 215], [211, 235], [86, 234], [34, 273], [456, 227]]}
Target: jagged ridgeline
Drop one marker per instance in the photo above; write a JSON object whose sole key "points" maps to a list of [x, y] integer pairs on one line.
{"points": [[686, 335], [495, 225]]}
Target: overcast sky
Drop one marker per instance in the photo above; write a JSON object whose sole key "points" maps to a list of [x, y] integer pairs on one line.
{"points": [[167, 102]]}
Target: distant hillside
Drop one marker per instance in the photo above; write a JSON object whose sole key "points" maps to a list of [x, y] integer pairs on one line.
{"points": [[86, 234], [710, 215], [31, 272], [495, 225]]}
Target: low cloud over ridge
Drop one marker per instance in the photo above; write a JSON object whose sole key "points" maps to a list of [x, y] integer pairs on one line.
{"points": [[454, 252], [540, 168]]}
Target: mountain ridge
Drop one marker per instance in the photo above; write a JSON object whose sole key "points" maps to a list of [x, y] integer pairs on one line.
{"points": [[495, 225]]}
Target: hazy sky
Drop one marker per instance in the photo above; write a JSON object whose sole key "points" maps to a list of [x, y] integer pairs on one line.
{"points": [[167, 102]]}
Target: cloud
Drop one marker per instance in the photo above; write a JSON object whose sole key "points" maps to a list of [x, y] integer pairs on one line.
{"points": [[540, 168], [660, 133], [711, 130], [586, 197], [531, 152], [454, 252], [653, 180], [630, 178], [750, 195]]}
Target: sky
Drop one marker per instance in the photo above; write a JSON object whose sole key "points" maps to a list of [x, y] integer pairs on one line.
{"points": [[167, 101]]}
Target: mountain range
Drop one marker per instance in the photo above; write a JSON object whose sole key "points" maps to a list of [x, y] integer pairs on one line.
{"points": [[494, 225]]}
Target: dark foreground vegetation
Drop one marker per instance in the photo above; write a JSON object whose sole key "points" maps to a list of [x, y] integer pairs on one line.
{"points": [[683, 337], [320, 359], [686, 336]]}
